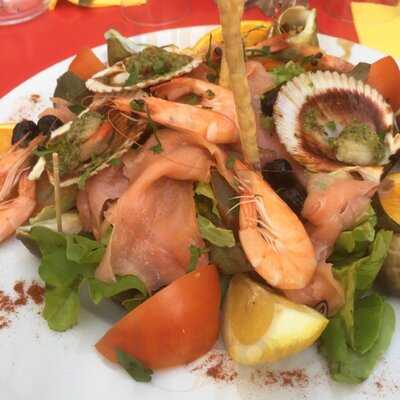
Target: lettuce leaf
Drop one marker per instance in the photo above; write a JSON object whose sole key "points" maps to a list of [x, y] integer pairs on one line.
{"points": [[355, 338], [347, 365], [355, 242], [358, 277]]}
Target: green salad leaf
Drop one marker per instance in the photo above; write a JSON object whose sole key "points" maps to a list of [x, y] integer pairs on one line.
{"points": [[61, 310], [68, 262], [355, 242], [355, 338], [204, 189], [134, 367], [230, 260], [99, 290], [71, 88], [367, 322], [219, 236], [347, 365]]}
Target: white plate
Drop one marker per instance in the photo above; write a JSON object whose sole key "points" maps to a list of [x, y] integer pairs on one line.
{"points": [[38, 364]]}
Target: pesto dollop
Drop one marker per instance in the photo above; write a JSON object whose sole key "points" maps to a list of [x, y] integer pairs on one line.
{"points": [[358, 144], [153, 62]]}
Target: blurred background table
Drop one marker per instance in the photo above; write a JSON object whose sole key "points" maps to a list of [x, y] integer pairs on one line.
{"points": [[28, 48]]}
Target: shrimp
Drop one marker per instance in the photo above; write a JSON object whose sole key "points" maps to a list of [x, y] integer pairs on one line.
{"points": [[212, 96], [14, 212], [12, 164], [273, 238], [212, 126]]}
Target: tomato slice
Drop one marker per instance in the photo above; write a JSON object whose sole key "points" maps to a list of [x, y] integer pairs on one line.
{"points": [[384, 76], [175, 326], [86, 64]]}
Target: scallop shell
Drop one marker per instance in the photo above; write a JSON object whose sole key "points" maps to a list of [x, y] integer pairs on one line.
{"points": [[296, 16], [41, 166], [339, 98], [120, 74]]}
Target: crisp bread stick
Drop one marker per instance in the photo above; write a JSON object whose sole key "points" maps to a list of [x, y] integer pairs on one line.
{"points": [[230, 14]]}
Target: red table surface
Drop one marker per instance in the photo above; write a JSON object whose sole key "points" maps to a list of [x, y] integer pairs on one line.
{"points": [[27, 48]]}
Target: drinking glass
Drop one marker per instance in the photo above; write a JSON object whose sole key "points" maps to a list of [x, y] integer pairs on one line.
{"points": [[155, 12], [16, 11]]}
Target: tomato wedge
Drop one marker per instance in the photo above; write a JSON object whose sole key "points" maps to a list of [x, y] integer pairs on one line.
{"points": [[86, 64], [175, 326], [384, 76]]}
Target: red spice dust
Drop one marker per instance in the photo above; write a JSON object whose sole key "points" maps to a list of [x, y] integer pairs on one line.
{"points": [[219, 367], [36, 293], [9, 305], [379, 385], [296, 378], [19, 289], [4, 322]]}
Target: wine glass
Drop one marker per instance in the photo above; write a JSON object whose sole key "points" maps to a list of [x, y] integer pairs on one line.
{"points": [[16, 11], [155, 12]]}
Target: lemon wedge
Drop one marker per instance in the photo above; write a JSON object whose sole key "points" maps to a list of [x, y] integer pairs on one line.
{"points": [[389, 198], [5, 136], [260, 326], [253, 32]]}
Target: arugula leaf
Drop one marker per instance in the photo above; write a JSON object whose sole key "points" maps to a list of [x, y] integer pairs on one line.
{"points": [[195, 253], [205, 189], [83, 250], [56, 270], [99, 290], [219, 236], [134, 367], [347, 365], [287, 72], [46, 239], [61, 309], [67, 262]]}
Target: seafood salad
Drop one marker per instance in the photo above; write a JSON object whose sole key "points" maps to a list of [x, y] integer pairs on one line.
{"points": [[245, 187]]}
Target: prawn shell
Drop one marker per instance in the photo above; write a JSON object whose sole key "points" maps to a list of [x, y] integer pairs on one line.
{"points": [[337, 97], [97, 86]]}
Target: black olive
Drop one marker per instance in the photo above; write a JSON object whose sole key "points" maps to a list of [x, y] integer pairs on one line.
{"points": [[218, 51], [294, 197], [268, 100], [24, 129], [278, 173], [48, 124]]}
